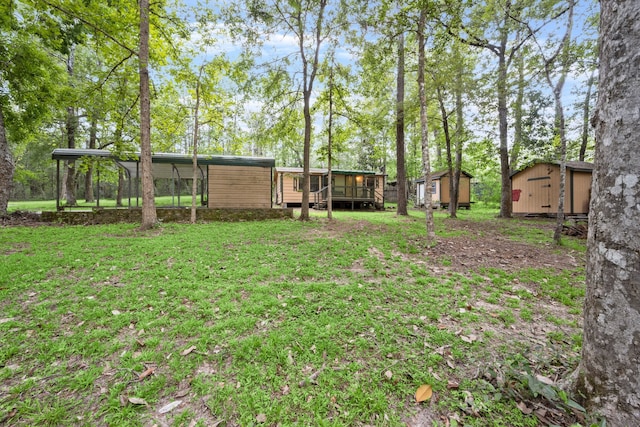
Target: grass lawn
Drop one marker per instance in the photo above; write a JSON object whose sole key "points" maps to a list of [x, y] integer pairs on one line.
{"points": [[289, 323]]}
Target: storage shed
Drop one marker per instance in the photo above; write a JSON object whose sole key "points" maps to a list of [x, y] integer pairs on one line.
{"points": [[440, 190], [536, 189], [350, 188], [225, 181]]}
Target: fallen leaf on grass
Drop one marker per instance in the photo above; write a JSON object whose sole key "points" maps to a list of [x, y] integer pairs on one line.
{"points": [[261, 418], [423, 393], [187, 351], [7, 320], [115, 312], [169, 407], [182, 393], [388, 374], [137, 401], [146, 373]]}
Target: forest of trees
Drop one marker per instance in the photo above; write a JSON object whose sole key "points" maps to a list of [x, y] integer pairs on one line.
{"points": [[504, 82]]}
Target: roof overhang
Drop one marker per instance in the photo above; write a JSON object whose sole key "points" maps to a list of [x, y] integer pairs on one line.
{"points": [[164, 165]]}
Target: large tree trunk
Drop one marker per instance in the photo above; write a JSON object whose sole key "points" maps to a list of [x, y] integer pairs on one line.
{"points": [[609, 374], [308, 77], [149, 217], [424, 131], [447, 140], [329, 149], [70, 181], [6, 168], [88, 178], [400, 167], [505, 169], [194, 159], [459, 141], [71, 127]]}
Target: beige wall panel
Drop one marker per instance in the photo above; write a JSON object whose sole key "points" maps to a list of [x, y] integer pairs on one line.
{"points": [[535, 185], [581, 192], [540, 187], [239, 187]]}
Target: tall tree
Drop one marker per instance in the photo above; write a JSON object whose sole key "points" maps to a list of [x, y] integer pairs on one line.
{"points": [[29, 81], [509, 31], [310, 62], [401, 173], [609, 372], [560, 62], [424, 128], [149, 216]]}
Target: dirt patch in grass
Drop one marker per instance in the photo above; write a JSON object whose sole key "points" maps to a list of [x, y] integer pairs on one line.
{"points": [[484, 245]]}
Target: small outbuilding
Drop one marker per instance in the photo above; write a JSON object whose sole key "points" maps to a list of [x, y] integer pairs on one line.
{"points": [[536, 188], [349, 188], [235, 182], [440, 195]]}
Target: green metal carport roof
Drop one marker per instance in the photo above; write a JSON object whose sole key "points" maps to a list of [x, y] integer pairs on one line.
{"points": [[165, 165]]}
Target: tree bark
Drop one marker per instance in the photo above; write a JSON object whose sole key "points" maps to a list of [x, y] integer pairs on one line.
{"points": [[329, 149], [517, 115], [71, 127], [7, 168], [586, 113], [459, 141], [88, 178], [564, 54], [447, 140], [505, 169], [609, 373], [400, 167], [149, 217], [196, 126], [424, 132], [308, 77]]}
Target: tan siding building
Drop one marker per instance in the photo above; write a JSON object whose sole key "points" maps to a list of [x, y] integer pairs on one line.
{"points": [[536, 189], [239, 187], [440, 190], [349, 188]]}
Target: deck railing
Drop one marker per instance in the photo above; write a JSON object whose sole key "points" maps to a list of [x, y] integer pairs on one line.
{"points": [[345, 193]]}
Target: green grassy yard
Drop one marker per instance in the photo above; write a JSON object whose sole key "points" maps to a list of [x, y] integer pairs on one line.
{"points": [[286, 323]]}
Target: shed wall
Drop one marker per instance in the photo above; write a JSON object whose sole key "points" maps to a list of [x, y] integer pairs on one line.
{"points": [[539, 188], [239, 187]]}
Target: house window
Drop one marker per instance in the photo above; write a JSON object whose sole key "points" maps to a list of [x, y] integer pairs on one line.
{"points": [[315, 183], [298, 183], [433, 188]]}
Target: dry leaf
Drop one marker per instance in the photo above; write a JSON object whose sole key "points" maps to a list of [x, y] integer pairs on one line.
{"points": [[7, 320], [169, 407], [146, 373], [182, 393], [388, 374], [261, 418], [187, 351], [423, 393], [452, 384], [137, 401], [115, 312], [523, 407], [544, 380]]}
